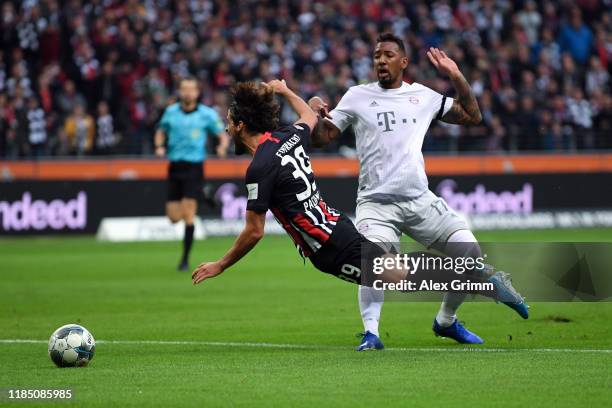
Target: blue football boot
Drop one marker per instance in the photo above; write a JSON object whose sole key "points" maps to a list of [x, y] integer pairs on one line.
{"points": [[369, 341], [457, 332], [505, 293]]}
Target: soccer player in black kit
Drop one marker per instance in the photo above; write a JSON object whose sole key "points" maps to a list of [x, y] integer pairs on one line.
{"points": [[280, 178]]}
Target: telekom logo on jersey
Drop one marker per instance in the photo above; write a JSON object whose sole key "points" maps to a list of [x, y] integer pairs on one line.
{"points": [[481, 201], [28, 214]]}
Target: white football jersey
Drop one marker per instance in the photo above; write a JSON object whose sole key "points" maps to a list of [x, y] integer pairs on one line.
{"points": [[389, 127]]}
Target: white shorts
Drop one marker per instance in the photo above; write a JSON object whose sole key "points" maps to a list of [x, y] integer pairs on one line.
{"points": [[426, 219]]}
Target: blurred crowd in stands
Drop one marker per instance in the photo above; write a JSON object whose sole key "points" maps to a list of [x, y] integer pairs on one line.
{"points": [[89, 77]]}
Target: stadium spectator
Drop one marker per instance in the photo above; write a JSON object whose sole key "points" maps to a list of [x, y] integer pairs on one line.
{"points": [[581, 112], [547, 51], [530, 19], [576, 38], [529, 122], [105, 131], [79, 130], [597, 78], [603, 120], [553, 136], [132, 53], [8, 124], [139, 125], [33, 129], [107, 87], [510, 119], [19, 79], [69, 98]]}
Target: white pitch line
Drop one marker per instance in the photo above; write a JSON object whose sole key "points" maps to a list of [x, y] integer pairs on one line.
{"points": [[321, 347]]}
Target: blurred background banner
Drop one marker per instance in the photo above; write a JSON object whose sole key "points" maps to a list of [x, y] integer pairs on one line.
{"points": [[489, 201]]}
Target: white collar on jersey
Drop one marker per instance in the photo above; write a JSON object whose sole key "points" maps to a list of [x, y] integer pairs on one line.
{"points": [[393, 90]]}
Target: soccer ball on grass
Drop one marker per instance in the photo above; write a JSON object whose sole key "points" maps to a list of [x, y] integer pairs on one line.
{"points": [[71, 346]]}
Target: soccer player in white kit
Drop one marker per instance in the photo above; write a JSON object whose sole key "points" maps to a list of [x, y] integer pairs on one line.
{"points": [[390, 119]]}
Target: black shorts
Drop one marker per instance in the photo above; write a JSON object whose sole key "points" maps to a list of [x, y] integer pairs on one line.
{"points": [[185, 180], [342, 255]]}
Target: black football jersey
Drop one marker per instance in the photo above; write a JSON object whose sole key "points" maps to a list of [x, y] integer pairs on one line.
{"points": [[280, 178]]}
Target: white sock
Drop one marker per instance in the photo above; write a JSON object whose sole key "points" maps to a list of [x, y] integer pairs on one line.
{"points": [[448, 309], [370, 305]]}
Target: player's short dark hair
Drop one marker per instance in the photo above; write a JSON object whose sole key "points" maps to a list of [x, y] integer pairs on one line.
{"points": [[390, 37], [189, 78], [254, 104]]}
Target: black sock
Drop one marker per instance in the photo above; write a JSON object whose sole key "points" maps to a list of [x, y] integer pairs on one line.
{"points": [[187, 242]]}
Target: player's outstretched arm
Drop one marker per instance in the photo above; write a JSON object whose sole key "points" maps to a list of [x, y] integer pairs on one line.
{"points": [[249, 237], [465, 110], [325, 131]]}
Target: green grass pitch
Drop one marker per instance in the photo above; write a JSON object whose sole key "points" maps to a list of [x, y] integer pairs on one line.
{"points": [[274, 332]]}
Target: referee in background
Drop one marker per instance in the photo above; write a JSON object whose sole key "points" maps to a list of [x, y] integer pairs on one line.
{"points": [[181, 136]]}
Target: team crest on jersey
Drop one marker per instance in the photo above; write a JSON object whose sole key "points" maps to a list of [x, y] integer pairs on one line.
{"points": [[414, 100]]}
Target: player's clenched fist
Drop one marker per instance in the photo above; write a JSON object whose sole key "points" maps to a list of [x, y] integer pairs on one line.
{"points": [[205, 271], [279, 86], [319, 106]]}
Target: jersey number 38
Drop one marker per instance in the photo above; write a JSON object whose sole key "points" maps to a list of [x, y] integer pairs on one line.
{"points": [[301, 164]]}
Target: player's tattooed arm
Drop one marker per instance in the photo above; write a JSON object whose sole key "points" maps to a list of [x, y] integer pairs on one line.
{"points": [[325, 131], [465, 110], [249, 237]]}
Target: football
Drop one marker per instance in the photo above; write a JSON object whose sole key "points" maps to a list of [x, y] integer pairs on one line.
{"points": [[71, 346]]}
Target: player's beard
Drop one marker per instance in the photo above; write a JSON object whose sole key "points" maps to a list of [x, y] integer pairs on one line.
{"points": [[386, 81]]}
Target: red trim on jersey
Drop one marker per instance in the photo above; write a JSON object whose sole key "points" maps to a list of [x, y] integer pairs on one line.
{"points": [[267, 136], [295, 235], [328, 215], [311, 229]]}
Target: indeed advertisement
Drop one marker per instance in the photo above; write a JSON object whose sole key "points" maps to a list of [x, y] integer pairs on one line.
{"points": [[485, 201], [232, 201], [30, 213], [77, 207]]}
